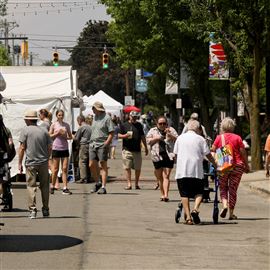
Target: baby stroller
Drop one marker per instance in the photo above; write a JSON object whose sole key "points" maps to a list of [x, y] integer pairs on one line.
{"points": [[6, 198]]}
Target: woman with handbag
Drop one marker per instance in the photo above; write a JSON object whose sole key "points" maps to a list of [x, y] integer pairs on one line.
{"points": [[161, 140], [229, 181]]}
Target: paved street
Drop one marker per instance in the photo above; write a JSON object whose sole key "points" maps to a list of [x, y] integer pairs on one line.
{"points": [[133, 230]]}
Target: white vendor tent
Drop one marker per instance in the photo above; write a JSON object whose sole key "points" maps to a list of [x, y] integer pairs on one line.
{"points": [[111, 105], [35, 88]]}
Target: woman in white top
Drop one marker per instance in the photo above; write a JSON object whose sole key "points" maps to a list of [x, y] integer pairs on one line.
{"points": [[161, 140]]}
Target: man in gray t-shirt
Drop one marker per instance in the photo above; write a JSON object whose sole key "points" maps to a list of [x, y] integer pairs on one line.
{"points": [[82, 136], [36, 144], [101, 138]]}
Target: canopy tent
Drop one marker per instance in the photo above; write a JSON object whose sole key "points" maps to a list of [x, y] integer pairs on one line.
{"points": [[36, 88], [111, 105], [129, 108]]}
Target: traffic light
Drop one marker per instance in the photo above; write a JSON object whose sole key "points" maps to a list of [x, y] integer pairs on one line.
{"points": [[105, 60], [56, 59]]}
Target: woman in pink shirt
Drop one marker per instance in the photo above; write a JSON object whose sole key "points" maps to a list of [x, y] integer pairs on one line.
{"points": [[229, 182], [60, 133]]}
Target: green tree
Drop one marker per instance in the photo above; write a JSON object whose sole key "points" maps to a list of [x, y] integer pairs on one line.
{"points": [[86, 58], [3, 7], [4, 59], [156, 34], [242, 26]]}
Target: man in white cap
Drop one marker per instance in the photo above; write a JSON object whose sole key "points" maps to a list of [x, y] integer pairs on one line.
{"points": [[132, 134], [195, 116], [101, 138], [36, 143]]}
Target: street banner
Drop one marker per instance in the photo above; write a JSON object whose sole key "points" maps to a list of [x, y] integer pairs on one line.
{"points": [[171, 87], [218, 66]]}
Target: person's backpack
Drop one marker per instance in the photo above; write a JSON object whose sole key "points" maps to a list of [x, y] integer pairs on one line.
{"points": [[5, 146]]}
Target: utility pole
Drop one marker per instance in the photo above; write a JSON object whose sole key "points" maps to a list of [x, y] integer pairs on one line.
{"points": [[7, 26], [179, 103], [13, 52], [31, 59]]}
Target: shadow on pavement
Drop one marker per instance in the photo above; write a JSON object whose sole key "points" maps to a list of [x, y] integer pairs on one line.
{"points": [[120, 193], [17, 210], [51, 217], [219, 223], [252, 218], [30, 243]]}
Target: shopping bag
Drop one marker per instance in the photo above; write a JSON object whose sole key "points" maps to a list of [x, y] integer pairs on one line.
{"points": [[224, 158]]}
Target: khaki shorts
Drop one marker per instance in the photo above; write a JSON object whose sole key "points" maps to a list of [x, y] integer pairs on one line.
{"points": [[132, 160]]}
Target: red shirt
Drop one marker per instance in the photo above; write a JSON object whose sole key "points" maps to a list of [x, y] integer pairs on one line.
{"points": [[235, 141]]}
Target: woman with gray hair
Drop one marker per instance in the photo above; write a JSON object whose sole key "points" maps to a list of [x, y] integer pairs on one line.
{"points": [[190, 149], [229, 182]]}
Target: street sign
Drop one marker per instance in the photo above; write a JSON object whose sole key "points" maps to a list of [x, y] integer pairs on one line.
{"points": [[141, 85], [129, 100], [178, 103]]}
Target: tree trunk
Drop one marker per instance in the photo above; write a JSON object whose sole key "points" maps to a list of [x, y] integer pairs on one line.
{"points": [[251, 93]]}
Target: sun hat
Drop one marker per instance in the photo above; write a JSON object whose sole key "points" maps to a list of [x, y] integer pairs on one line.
{"points": [[31, 115], [134, 114], [99, 106]]}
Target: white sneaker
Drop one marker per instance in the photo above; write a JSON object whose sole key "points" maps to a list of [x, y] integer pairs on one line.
{"points": [[33, 214]]}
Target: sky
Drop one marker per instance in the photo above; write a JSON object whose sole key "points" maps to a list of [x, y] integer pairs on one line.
{"points": [[49, 24]]}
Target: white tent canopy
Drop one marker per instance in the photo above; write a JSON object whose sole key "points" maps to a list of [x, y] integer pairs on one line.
{"points": [[36, 88], [111, 105]]}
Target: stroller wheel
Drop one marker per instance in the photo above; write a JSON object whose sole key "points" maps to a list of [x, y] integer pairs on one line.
{"points": [[178, 212]]}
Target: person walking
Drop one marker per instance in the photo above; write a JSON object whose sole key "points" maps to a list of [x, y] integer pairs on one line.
{"points": [[36, 144], [44, 119], [267, 155], [7, 154], [115, 137], [60, 133], [229, 182], [83, 136], [190, 149], [101, 138], [161, 140], [195, 116], [132, 134]]}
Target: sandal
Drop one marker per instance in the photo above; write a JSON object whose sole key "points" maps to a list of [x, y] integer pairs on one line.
{"points": [[195, 216], [188, 222], [232, 217], [166, 199], [162, 199], [223, 212], [156, 187], [128, 188], [137, 187]]}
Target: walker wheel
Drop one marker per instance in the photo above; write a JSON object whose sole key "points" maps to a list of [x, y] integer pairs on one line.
{"points": [[215, 215]]}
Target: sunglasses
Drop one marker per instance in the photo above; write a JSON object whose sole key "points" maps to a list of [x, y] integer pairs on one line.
{"points": [[162, 123]]}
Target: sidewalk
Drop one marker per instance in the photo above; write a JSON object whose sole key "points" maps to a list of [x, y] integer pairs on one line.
{"points": [[257, 181]]}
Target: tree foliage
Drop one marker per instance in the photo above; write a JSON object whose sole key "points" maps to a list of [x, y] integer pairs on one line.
{"points": [[156, 34], [4, 58], [86, 58]]}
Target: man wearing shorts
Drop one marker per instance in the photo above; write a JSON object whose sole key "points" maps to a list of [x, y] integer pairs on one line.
{"points": [[132, 134], [190, 149], [101, 138], [36, 143]]}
